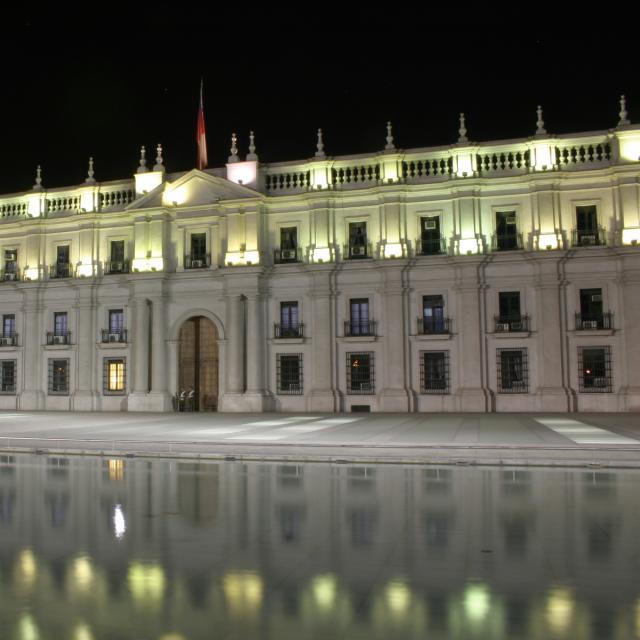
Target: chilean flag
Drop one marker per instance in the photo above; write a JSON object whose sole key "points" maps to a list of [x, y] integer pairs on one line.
{"points": [[201, 136]]}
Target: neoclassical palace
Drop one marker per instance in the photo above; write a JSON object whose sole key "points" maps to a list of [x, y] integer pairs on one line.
{"points": [[494, 276]]}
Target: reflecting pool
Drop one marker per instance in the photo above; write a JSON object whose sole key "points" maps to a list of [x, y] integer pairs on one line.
{"points": [[94, 548]]}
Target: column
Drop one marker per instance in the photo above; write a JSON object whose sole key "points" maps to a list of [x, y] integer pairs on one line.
{"points": [[33, 356], [255, 361], [160, 397], [84, 394], [140, 364], [231, 399], [630, 312]]}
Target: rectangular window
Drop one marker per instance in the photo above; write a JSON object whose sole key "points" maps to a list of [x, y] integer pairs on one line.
{"points": [[360, 373], [62, 255], [60, 323], [587, 232], [58, 376], [512, 369], [289, 238], [8, 376], [591, 305], [198, 246], [509, 303], [117, 251], [114, 376], [116, 321], [10, 264], [433, 319], [8, 325], [289, 316], [62, 268], [359, 321], [506, 230], [434, 372], [289, 373], [358, 240], [594, 369], [430, 235]]}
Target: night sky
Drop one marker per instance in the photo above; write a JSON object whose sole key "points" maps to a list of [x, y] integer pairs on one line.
{"points": [[103, 84]]}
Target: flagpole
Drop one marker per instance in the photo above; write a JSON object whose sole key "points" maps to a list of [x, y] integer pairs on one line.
{"points": [[201, 136]]}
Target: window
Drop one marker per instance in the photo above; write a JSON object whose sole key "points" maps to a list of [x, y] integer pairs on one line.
{"points": [[594, 369], [58, 376], [60, 323], [359, 323], [8, 325], [116, 321], [198, 246], [289, 373], [430, 235], [289, 320], [591, 305], [510, 317], [360, 373], [433, 320], [8, 376], [289, 238], [513, 375], [117, 261], [11, 264], [434, 372], [114, 376], [62, 266], [587, 232], [357, 240], [506, 231]]}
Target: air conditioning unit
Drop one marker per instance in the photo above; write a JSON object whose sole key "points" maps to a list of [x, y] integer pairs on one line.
{"points": [[59, 339], [196, 264], [430, 224], [6, 341], [596, 298], [366, 386], [511, 219], [516, 326], [358, 250], [589, 324], [288, 254], [588, 239], [10, 276], [600, 382], [10, 256], [115, 267], [114, 337], [502, 326]]}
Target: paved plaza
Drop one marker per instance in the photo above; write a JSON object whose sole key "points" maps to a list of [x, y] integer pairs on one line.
{"points": [[577, 439]]}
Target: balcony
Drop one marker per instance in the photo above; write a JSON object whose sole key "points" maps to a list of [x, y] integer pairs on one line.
{"points": [[434, 326], [593, 322], [355, 329], [9, 339], [60, 270], [506, 242], [58, 338], [588, 237], [431, 247], [200, 261], [10, 275], [114, 267], [114, 336], [357, 251], [289, 331], [513, 324], [284, 256]]}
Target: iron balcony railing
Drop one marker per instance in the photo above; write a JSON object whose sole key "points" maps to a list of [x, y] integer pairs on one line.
{"points": [[197, 261], [357, 251], [586, 322], [354, 328], [428, 326], [109, 335], [59, 337], [431, 246], [283, 256], [588, 237], [288, 331], [9, 339], [60, 270], [504, 324], [10, 275], [116, 266], [506, 242]]}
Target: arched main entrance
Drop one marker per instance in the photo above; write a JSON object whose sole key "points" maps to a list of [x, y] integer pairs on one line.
{"points": [[198, 363]]}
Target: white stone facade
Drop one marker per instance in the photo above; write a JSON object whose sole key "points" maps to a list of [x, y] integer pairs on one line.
{"points": [[498, 276]]}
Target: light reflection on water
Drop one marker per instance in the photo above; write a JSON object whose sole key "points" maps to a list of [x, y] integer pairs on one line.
{"points": [[95, 549]]}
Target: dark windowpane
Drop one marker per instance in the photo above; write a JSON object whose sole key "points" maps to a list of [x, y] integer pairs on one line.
{"points": [[357, 233], [8, 376], [506, 230], [595, 369], [587, 219], [117, 251], [433, 314], [512, 371], [435, 372], [289, 238], [59, 376], [509, 305], [591, 304], [62, 254], [360, 373], [289, 373], [198, 246]]}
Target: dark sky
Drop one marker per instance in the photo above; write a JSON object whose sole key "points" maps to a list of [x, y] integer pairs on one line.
{"points": [[78, 84]]}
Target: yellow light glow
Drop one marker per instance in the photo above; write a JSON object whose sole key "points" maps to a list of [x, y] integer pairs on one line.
{"points": [[242, 172], [393, 250], [146, 182], [465, 165], [146, 583], [325, 588], [390, 170], [26, 569], [32, 273], [544, 158], [240, 258], [34, 206], [321, 254], [631, 236], [175, 197], [27, 629], [148, 264], [173, 636], [468, 245], [548, 241], [398, 597], [115, 375], [81, 573], [630, 149], [560, 606], [82, 632], [87, 200], [477, 601], [243, 590], [116, 469], [84, 270]]}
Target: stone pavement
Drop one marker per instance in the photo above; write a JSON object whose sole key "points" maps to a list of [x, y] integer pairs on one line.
{"points": [[599, 439]]}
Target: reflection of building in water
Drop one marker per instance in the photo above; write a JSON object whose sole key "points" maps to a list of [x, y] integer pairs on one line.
{"points": [[387, 550]]}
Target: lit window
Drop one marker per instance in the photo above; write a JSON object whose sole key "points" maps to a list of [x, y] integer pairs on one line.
{"points": [[360, 373], [114, 376], [58, 376]]}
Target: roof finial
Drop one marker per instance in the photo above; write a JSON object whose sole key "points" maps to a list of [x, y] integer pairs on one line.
{"points": [[38, 185], [540, 131], [623, 112], [320, 145], [462, 131], [143, 161], [158, 166], [234, 148], [252, 147], [389, 144], [90, 179]]}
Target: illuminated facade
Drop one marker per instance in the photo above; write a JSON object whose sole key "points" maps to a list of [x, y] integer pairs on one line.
{"points": [[500, 276]]}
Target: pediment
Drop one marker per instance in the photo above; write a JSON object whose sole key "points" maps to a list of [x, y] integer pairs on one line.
{"points": [[194, 188]]}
